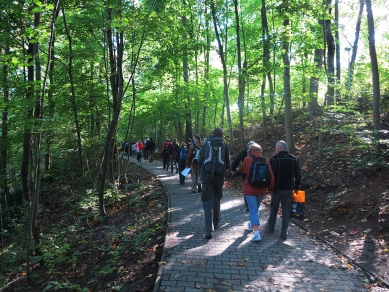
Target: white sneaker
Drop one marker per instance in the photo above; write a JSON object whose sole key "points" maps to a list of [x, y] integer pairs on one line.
{"points": [[256, 238], [250, 226]]}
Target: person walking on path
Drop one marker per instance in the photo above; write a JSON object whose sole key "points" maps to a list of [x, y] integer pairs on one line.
{"points": [[214, 160], [195, 168], [166, 155], [241, 156], [287, 176], [151, 149], [139, 148], [173, 155], [255, 194], [182, 154]]}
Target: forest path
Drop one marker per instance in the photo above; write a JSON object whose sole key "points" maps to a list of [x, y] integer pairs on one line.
{"points": [[230, 261]]}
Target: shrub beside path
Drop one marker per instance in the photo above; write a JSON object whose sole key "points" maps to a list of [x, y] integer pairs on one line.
{"points": [[230, 261]]}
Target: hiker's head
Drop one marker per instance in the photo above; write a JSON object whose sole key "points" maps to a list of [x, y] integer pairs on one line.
{"points": [[217, 133], [281, 146], [253, 148], [183, 145], [197, 137]]}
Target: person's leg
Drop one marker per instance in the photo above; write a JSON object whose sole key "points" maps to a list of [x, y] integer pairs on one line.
{"points": [[254, 218], [286, 205], [245, 203], [171, 162], [274, 204], [253, 211], [194, 178], [207, 197], [218, 183]]}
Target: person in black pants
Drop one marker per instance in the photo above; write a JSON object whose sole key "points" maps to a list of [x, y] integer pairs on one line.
{"points": [[287, 177], [239, 159]]}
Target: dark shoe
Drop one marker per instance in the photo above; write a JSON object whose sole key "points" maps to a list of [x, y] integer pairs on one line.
{"points": [[284, 236], [268, 229], [192, 192], [215, 226], [208, 235], [199, 188]]}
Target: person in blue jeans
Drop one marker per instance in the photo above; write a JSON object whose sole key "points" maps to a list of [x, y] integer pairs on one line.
{"points": [[254, 194], [182, 153], [287, 176]]}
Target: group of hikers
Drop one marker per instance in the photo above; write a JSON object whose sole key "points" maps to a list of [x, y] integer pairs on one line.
{"points": [[209, 160]]}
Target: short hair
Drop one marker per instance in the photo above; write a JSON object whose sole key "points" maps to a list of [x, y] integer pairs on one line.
{"points": [[167, 140], [283, 145], [197, 137], [183, 144], [189, 139], [218, 132], [255, 147]]}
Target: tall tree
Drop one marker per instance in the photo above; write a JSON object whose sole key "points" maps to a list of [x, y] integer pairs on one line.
{"points": [[330, 42], [225, 73], [241, 77], [374, 70], [287, 91]]}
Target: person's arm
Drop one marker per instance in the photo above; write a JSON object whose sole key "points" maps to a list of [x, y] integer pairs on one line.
{"points": [[297, 174], [189, 156], [241, 156]]}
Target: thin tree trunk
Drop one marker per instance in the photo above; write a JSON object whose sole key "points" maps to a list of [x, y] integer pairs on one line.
{"points": [[4, 127], [241, 78], [73, 99], [225, 76], [330, 57], [356, 40], [313, 105], [185, 67], [374, 67], [287, 93]]}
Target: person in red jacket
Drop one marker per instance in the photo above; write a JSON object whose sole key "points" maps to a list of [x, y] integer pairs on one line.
{"points": [[254, 194], [139, 148]]}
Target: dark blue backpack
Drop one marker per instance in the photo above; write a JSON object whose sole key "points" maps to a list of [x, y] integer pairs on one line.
{"points": [[183, 154], [259, 172]]}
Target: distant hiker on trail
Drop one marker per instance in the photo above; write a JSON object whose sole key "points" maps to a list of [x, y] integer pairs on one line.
{"points": [[165, 154], [151, 149], [255, 193], [173, 154], [287, 175], [182, 154], [139, 148], [214, 161], [241, 156], [146, 154], [191, 161]]}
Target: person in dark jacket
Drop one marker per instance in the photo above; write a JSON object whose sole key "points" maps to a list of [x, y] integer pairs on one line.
{"points": [[151, 149], [213, 179], [287, 175], [241, 156]]}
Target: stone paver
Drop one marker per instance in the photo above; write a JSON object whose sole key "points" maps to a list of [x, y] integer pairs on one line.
{"points": [[230, 261]]}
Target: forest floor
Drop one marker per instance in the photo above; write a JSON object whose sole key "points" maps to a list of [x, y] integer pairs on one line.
{"points": [[346, 206]]}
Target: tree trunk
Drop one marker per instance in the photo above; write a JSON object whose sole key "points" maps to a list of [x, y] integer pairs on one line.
{"points": [[356, 40], [374, 68], [225, 75], [330, 58], [4, 128], [313, 105], [185, 67], [287, 93], [73, 96], [241, 79]]}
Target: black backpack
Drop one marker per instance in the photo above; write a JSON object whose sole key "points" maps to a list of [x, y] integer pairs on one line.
{"points": [[259, 172]]}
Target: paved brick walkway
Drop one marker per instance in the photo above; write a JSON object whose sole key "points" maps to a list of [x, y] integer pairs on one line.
{"points": [[230, 261]]}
